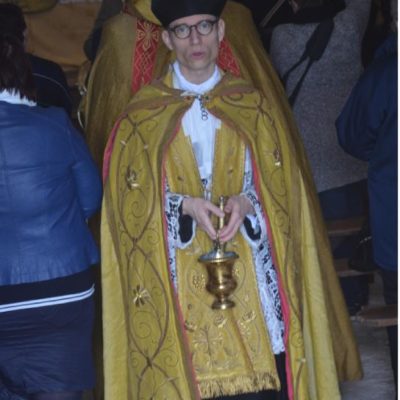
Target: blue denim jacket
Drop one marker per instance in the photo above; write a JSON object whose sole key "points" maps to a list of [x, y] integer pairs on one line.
{"points": [[49, 186]]}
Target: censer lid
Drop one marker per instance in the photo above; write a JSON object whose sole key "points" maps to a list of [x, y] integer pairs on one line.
{"points": [[218, 255]]}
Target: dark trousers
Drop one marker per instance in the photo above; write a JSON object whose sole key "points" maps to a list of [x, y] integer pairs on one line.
{"points": [[266, 394], [389, 279], [341, 203]]}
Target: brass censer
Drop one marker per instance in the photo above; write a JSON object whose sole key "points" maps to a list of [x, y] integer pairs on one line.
{"points": [[219, 263]]}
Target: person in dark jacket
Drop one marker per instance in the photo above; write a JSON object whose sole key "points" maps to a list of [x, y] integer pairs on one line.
{"points": [[49, 78], [367, 129], [51, 84], [49, 187]]}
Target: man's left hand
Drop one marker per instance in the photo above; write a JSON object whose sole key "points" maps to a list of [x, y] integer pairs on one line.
{"points": [[238, 207]]}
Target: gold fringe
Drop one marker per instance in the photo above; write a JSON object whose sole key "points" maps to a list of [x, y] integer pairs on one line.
{"points": [[238, 385]]}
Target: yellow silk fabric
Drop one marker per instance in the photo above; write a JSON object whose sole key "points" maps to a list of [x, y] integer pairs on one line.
{"points": [[146, 344], [230, 350], [144, 10]]}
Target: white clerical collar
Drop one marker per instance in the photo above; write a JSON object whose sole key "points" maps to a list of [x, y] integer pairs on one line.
{"points": [[180, 82], [14, 98]]}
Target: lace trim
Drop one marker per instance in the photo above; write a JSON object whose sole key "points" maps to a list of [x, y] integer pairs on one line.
{"points": [[265, 270], [172, 205]]}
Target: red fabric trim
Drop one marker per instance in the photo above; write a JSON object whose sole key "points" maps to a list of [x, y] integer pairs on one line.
{"points": [[226, 59], [109, 148], [144, 54], [125, 9]]}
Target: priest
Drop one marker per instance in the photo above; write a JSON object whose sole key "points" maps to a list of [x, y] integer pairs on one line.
{"points": [[183, 141]]}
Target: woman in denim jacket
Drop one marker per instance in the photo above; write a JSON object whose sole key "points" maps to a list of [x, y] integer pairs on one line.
{"points": [[49, 187]]}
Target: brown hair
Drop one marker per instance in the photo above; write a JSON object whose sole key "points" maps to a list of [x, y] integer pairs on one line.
{"points": [[15, 69], [12, 20]]}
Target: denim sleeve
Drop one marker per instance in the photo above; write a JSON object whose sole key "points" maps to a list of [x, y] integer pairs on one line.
{"points": [[86, 175]]}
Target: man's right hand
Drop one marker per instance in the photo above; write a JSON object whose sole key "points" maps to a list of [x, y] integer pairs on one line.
{"points": [[200, 210]]}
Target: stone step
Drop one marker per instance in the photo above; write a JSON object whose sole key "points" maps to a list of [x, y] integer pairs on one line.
{"points": [[344, 227], [343, 270], [378, 316]]}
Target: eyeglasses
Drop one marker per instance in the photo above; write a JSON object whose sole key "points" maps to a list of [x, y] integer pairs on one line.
{"points": [[203, 28]]}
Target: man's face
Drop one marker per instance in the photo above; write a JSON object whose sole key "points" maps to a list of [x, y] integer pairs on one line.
{"points": [[197, 53]]}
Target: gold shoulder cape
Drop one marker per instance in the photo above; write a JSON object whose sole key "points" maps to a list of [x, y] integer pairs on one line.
{"points": [[146, 352], [109, 86]]}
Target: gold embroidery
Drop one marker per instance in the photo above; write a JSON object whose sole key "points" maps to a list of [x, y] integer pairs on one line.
{"points": [[140, 295], [248, 317], [207, 339], [131, 179], [220, 320], [277, 156], [190, 326], [199, 281]]}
